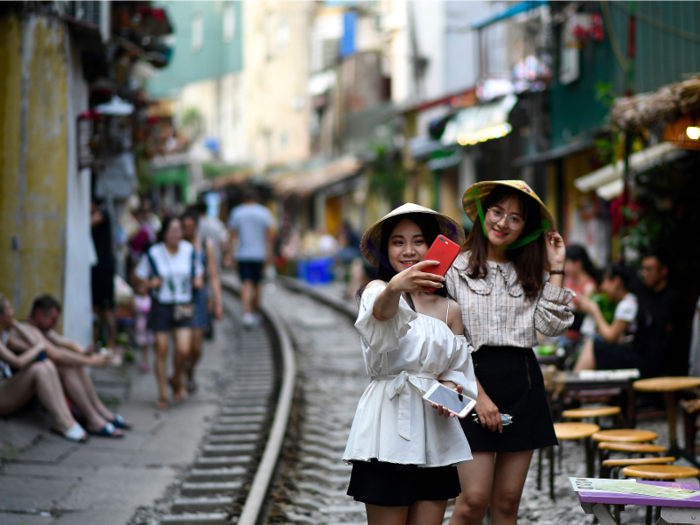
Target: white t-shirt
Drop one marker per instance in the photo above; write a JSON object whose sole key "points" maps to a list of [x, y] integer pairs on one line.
{"points": [[174, 269], [626, 310]]}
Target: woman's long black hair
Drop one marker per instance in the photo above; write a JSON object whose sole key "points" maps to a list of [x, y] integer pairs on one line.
{"points": [[576, 252], [429, 228], [530, 261]]}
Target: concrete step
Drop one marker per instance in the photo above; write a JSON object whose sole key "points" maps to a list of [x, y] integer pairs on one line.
{"points": [[221, 461], [221, 439], [243, 409], [201, 504], [232, 420], [228, 450], [209, 488], [214, 518], [216, 474], [236, 428]]}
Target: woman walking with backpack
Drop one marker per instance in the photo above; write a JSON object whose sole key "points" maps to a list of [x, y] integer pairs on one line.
{"points": [[171, 269], [403, 451], [501, 283]]}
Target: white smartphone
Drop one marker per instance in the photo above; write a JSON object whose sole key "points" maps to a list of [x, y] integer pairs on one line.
{"points": [[458, 404]]}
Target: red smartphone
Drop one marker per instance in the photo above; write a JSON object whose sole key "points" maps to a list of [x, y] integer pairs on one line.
{"points": [[445, 252]]}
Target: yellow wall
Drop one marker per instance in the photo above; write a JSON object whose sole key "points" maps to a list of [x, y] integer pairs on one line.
{"points": [[33, 159]]}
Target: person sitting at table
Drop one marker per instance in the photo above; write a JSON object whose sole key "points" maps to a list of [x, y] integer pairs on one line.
{"points": [[634, 339], [581, 277]]}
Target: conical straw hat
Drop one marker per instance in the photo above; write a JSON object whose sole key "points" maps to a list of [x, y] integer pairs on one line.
{"points": [[371, 240], [481, 190]]}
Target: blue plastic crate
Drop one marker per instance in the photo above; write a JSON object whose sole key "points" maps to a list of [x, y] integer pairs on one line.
{"points": [[319, 270]]}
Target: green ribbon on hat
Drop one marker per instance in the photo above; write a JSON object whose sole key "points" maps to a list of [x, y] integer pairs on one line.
{"points": [[517, 243]]}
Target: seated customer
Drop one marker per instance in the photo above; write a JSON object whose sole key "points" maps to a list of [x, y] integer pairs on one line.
{"points": [[31, 374], [70, 359], [633, 340]]}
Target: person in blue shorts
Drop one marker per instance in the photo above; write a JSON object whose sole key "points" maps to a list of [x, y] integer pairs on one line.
{"points": [[252, 237]]}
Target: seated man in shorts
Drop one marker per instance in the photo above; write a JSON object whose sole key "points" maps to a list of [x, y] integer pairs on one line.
{"points": [[70, 359], [252, 226]]}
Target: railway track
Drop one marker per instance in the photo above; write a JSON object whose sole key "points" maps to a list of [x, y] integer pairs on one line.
{"points": [[229, 480]]}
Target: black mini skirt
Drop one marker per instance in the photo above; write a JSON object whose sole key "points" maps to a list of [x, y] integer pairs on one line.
{"points": [[392, 485], [512, 378]]}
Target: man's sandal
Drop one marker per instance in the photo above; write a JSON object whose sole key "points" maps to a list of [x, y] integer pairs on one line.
{"points": [[107, 431], [120, 422]]}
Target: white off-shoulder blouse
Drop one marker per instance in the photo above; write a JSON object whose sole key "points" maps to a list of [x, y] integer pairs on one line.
{"points": [[404, 356]]}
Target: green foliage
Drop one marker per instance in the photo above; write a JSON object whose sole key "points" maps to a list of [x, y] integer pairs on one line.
{"points": [[387, 175], [192, 124]]}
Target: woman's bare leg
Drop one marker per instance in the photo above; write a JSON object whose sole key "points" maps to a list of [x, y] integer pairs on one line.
{"points": [[381, 515], [426, 513], [476, 478], [41, 379], [509, 479], [161, 348], [195, 352], [586, 361], [183, 343]]}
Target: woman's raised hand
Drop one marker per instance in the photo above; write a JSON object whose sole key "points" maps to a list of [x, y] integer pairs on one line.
{"points": [[556, 251], [489, 415], [414, 279]]}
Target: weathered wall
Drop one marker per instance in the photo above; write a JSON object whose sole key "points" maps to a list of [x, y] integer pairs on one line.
{"points": [[33, 158]]}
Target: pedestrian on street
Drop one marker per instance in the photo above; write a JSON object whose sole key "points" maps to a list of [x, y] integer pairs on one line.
{"points": [[205, 253], [500, 281], [253, 231], [71, 359], [403, 452], [103, 274], [171, 269], [30, 373]]}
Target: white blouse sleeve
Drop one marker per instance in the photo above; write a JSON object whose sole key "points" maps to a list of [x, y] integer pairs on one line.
{"points": [[461, 369], [382, 336], [553, 315]]}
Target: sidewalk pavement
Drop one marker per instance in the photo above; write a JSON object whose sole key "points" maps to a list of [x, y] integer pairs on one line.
{"points": [[46, 480]]}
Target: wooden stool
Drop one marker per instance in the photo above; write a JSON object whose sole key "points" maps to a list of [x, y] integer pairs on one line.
{"points": [[565, 432], [627, 435], [660, 473], [610, 465], [594, 412], [632, 448]]}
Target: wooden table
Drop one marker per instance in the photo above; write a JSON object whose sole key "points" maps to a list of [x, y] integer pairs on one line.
{"points": [[570, 381], [669, 386], [672, 511]]}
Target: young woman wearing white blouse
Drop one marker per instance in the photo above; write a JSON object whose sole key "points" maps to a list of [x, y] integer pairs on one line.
{"points": [[403, 452], [500, 282]]}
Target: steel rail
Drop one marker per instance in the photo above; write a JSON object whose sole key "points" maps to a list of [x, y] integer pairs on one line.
{"points": [[255, 501]]}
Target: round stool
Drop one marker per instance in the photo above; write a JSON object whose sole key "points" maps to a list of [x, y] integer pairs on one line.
{"points": [[627, 435], [661, 472], [565, 432], [582, 413], [609, 465], [632, 448]]}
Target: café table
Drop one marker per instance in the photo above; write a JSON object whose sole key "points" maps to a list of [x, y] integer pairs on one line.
{"points": [[683, 511], [669, 386], [571, 382]]}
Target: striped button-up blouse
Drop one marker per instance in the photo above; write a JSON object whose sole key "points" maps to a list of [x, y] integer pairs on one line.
{"points": [[496, 311]]}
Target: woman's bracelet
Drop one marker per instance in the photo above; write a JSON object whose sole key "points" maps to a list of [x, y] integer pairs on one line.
{"points": [[556, 272]]}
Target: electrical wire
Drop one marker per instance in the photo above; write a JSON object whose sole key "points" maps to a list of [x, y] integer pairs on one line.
{"points": [[613, 38]]}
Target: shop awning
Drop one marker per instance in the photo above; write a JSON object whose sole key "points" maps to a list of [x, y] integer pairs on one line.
{"points": [[607, 181], [475, 124], [305, 183], [522, 7], [553, 154]]}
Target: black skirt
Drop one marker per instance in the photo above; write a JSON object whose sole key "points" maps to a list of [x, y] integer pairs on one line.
{"points": [[512, 378], [392, 485]]}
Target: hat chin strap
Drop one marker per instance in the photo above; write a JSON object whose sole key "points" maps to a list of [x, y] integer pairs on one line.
{"points": [[518, 242]]}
